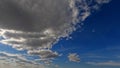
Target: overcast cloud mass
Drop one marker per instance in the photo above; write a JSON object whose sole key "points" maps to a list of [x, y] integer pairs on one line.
{"points": [[36, 25]]}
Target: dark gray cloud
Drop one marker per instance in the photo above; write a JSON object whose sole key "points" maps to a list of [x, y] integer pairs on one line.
{"points": [[38, 24], [34, 16]]}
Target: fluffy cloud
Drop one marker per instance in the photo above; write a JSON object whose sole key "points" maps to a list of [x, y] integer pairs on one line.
{"points": [[74, 57], [38, 24], [109, 63]]}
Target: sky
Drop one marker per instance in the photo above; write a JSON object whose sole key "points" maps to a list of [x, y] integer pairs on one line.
{"points": [[59, 34]]}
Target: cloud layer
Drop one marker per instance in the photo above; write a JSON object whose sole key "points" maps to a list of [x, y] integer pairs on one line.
{"points": [[36, 25]]}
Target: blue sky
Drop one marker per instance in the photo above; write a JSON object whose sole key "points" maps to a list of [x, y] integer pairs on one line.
{"points": [[99, 38], [97, 41]]}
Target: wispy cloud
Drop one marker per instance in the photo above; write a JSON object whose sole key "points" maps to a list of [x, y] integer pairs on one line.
{"points": [[18, 58], [44, 54], [102, 1], [5, 64], [109, 63]]}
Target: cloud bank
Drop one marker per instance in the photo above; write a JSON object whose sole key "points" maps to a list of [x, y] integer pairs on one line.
{"points": [[36, 25]]}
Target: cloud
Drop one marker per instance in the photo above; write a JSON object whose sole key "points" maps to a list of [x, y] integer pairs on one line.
{"points": [[102, 1], [4, 64], [118, 56], [44, 54], [74, 57], [38, 24], [17, 58], [22, 61], [109, 63]]}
